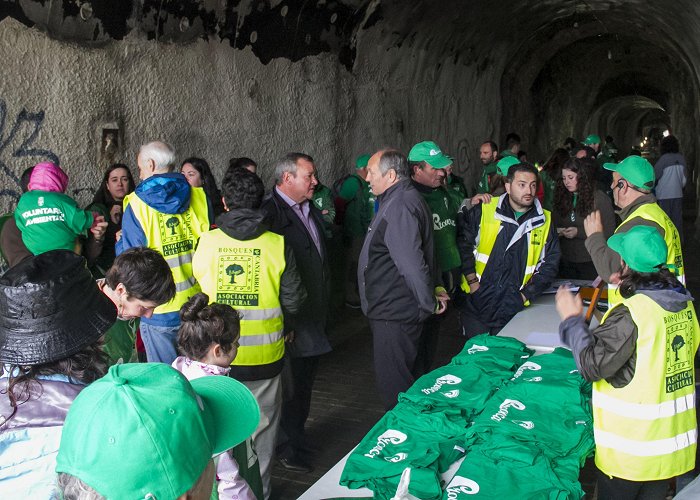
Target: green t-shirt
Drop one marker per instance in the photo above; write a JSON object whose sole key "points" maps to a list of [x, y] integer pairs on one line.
{"points": [[444, 211]]}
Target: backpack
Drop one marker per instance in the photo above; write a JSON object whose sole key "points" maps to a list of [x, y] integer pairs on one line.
{"points": [[340, 204]]}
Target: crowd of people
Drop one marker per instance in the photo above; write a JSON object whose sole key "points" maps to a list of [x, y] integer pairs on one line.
{"points": [[227, 292]]}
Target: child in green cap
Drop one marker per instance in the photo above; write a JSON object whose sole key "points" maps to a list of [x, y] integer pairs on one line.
{"points": [[208, 338]]}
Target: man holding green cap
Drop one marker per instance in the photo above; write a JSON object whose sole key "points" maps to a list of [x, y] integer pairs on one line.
{"points": [[354, 211], [641, 362], [633, 180], [145, 431], [428, 170], [509, 252]]}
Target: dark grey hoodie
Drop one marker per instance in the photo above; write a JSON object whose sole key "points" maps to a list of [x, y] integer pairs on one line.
{"points": [[609, 351]]}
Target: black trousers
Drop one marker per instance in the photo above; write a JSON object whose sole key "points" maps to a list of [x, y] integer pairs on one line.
{"points": [[622, 489], [396, 357], [295, 408]]}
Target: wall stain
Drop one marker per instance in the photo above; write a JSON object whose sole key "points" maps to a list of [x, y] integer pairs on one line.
{"points": [[24, 120]]}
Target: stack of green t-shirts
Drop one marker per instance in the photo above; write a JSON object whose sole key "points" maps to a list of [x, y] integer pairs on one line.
{"points": [[536, 431], [404, 437], [460, 390]]}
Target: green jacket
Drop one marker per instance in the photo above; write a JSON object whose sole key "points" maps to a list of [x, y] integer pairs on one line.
{"points": [[359, 209], [489, 170], [444, 213]]}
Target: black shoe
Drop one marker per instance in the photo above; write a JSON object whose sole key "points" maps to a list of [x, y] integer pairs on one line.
{"points": [[295, 464]]}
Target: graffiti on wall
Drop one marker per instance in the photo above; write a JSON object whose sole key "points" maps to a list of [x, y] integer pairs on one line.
{"points": [[466, 166], [17, 142]]}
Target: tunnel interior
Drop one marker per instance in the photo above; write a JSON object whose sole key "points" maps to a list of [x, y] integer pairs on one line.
{"points": [[341, 77]]}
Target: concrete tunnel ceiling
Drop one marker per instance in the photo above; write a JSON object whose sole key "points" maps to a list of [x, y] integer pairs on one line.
{"points": [[563, 67]]}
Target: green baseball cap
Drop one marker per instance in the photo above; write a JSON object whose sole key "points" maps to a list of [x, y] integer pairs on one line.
{"points": [[430, 153], [591, 139], [642, 248], [504, 164], [145, 431], [362, 161], [635, 170]]}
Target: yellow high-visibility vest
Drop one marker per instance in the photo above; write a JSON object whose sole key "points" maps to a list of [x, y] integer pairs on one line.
{"points": [[174, 237], [488, 232], [246, 274], [647, 430], [653, 212]]}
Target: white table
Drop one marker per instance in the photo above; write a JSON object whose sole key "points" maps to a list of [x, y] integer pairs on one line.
{"points": [[537, 326]]}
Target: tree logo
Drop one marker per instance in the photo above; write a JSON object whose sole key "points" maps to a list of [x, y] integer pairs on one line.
{"points": [[172, 223], [676, 345], [234, 270]]}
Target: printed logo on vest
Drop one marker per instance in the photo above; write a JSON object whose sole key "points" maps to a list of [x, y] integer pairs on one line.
{"points": [[477, 348], [391, 436], [680, 336], [238, 277], [440, 381], [503, 409], [461, 485], [176, 233]]}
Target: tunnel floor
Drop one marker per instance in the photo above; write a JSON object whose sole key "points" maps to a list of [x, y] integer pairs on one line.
{"points": [[345, 403]]}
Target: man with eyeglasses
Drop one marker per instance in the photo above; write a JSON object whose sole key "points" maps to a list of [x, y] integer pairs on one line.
{"points": [[633, 180]]}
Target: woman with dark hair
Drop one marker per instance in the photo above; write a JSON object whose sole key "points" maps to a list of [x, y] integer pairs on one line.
{"points": [[550, 173], [243, 162], [641, 362], [52, 319], [575, 197], [116, 183], [198, 174], [670, 171]]}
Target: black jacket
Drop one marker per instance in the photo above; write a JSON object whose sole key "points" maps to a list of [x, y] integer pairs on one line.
{"points": [[309, 324], [397, 269], [498, 298]]}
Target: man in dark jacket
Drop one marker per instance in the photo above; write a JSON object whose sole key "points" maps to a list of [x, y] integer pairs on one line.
{"points": [[244, 265], [290, 214], [509, 251], [398, 274]]}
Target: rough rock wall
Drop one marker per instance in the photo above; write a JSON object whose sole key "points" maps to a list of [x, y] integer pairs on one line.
{"points": [[209, 99]]}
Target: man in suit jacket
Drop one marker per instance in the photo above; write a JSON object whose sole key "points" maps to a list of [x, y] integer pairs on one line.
{"points": [[290, 214]]}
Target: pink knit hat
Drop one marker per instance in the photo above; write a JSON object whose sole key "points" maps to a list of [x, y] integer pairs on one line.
{"points": [[47, 176]]}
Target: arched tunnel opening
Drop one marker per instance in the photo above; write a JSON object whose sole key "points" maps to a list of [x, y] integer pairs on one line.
{"points": [[340, 77]]}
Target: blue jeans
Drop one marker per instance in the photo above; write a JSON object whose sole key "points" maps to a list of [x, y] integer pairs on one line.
{"points": [[160, 342]]}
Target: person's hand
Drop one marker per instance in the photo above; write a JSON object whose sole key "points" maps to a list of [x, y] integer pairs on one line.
{"points": [[98, 229], [289, 337], [115, 214], [481, 198], [569, 232], [442, 298], [568, 304], [473, 287], [118, 235], [324, 212], [593, 223]]}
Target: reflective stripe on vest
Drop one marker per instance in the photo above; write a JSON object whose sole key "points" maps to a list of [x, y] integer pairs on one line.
{"points": [[174, 237], [653, 212], [490, 226], [647, 430], [246, 275]]}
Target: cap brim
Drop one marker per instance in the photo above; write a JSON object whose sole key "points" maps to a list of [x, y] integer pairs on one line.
{"points": [[440, 161], [610, 166], [231, 413], [615, 242]]}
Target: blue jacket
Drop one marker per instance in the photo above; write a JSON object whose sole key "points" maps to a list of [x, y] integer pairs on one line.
{"points": [[29, 441], [166, 193]]}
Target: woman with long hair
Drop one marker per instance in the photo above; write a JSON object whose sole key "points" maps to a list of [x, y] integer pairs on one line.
{"points": [[117, 182], [640, 360], [198, 174], [575, 197]]}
